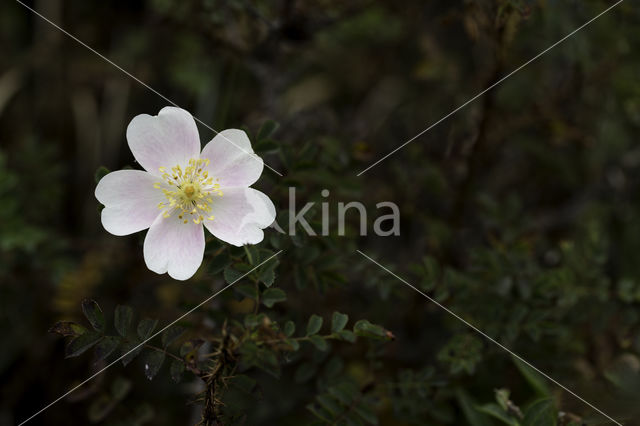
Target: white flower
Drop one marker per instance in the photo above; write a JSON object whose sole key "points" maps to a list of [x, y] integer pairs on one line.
{"points": [[183, 189]]}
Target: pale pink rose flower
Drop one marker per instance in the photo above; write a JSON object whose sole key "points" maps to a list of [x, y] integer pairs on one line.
{"points": [[183, 189]]}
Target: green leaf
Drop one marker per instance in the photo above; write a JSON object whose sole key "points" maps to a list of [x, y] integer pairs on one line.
{"points": [[347, 335], [171, 334], [471, 414], [123, 318], [106, 346], [267, 146], [267, 129], [81, 344], [319, 342], [268, 276], [289, 328], [152, 363], [233, 275], [247, 289], [503, 398], [540, 413], [176, 370], [219, 263], [267, 272], [271, 296], [127, 352], [146, 327], [314, 325], [534, 378], [94, 314], [101, 172], [67, 328], [494, 410], [338, 321], [366, 329]]}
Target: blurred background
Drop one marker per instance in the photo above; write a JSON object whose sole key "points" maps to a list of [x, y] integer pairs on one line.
{"points": [[520, 212]]}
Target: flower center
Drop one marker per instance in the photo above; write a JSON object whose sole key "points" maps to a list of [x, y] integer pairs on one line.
{"points": [[191, 192]]}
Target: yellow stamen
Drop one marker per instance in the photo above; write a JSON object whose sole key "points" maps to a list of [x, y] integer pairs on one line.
{"points": [[190, 191]]}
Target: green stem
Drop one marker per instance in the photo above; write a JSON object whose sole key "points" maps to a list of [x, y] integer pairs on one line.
{"points": [[177, 358], [297, 339]]}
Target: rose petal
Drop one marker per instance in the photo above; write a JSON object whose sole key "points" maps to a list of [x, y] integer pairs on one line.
{"points": [[232, 160], [173, 246], [166, 140], [130, 201], [240, 215]]}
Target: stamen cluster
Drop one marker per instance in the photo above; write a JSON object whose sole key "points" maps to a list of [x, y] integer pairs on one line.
{"points": [[191, 193]]}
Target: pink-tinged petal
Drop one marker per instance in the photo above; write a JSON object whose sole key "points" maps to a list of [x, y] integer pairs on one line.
{"points": [[130, 201], [175, 247], [166, 140], [240, 215], [232, 160]]}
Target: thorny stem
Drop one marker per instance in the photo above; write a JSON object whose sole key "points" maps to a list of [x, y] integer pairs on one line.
{"points": [[211, 414]]}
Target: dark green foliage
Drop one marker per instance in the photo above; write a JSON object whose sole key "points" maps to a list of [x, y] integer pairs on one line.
{"points": [[146, 327], [520, 213], [129, 350], [272, 296], [338, 322], [535, 380], [67, 328], [462, 353], [152, 362], [267, 130], [171, 335], [101, 172], [81, 344], [540, 413], [343, 404], [176, 370], [314, 324], [289, 328], [106, 346], [94, 314], [320, 343], [365, 329], [123, 319], [130, 346]]}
